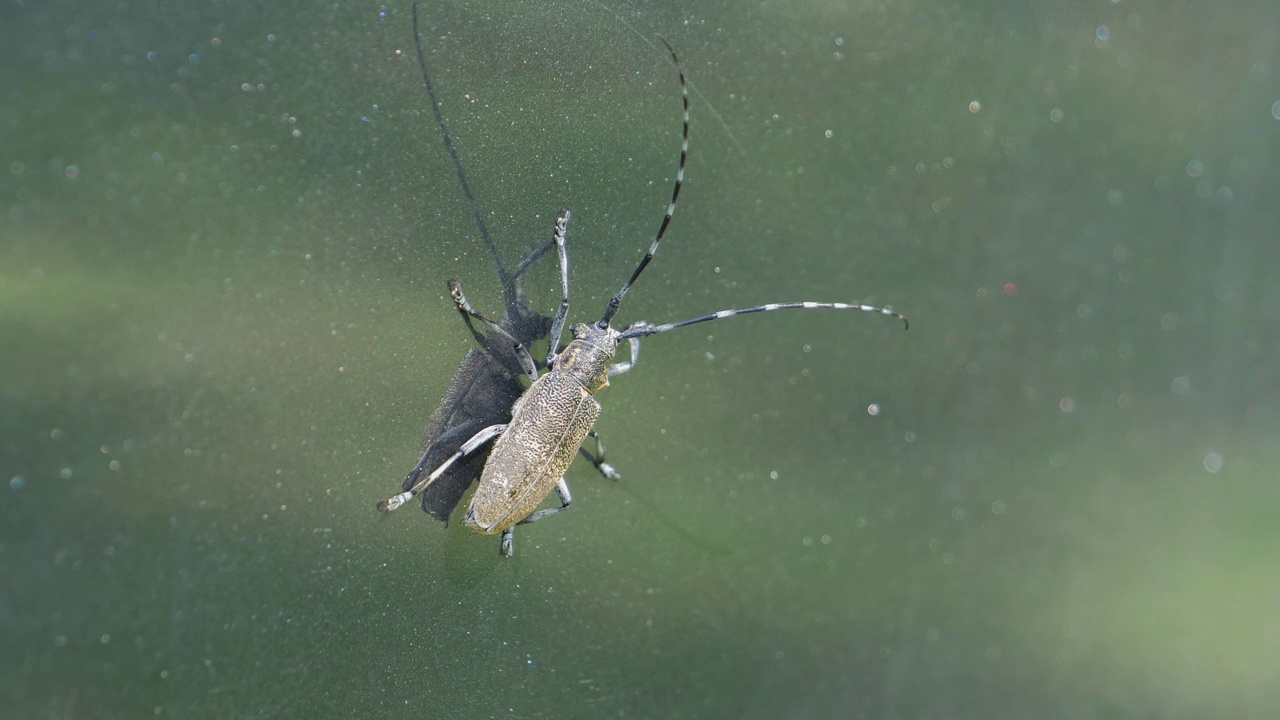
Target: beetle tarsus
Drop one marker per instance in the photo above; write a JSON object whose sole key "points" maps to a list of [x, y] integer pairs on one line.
{"points": [[394, 501]]}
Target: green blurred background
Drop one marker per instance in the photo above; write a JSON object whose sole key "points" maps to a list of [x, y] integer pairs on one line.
{"points": [[225, 236]]}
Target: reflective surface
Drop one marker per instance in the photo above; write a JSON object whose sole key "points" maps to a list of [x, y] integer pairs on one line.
{"points": [[223, 324]]}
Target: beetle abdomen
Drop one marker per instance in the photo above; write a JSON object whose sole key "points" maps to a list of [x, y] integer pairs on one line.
{"points": [[548, 425]]}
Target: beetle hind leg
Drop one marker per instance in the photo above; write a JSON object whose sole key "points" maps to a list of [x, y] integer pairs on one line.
{"points": [[566, 499], [415, 483], [562, 489]]}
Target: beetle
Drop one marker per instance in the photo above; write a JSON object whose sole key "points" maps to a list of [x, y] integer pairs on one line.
{"points": [[556, 414], [487, 382]]}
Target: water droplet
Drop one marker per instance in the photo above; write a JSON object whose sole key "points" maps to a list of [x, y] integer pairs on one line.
{"points": [[1213, 462]]}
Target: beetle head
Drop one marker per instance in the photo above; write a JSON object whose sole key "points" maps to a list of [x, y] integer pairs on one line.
{"points": [[587, 358]]}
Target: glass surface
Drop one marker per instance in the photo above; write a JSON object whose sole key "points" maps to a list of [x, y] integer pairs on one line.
{"points": [[225, 234]]}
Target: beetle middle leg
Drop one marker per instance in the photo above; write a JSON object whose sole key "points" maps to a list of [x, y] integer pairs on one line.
{"points": [[597, 459], [566, 499]]}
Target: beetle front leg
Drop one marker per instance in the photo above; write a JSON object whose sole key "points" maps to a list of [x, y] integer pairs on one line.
{"points": [[619, 368], [557, 324]]}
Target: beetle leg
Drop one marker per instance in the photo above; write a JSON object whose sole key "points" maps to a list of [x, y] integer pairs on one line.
{"points": [[557, 324], [562, 489], [468, 312], [619, 368], [597, 460], [469, 446], [526, 361], [506, 548], [450, 436]]}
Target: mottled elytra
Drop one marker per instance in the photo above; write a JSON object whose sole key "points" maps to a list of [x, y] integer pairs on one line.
{"points": [[556, 414], [488, 381]]}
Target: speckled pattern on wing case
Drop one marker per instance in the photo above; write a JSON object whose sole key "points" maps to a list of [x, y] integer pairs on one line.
{"points": [[548, 425]]}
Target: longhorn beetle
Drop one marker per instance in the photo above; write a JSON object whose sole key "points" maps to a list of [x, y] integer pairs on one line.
{"points": [[556, 414], [487, 382]]}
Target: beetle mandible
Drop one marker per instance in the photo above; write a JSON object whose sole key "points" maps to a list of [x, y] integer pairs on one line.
{"points": [[555, 415]]}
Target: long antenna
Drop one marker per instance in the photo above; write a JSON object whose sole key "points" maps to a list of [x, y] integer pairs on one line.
{"points": [[614, 302], [640, 330], [508, 288]]}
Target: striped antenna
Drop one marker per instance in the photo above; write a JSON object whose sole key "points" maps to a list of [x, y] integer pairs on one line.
{"points": [[640, 330], [614, 302]]}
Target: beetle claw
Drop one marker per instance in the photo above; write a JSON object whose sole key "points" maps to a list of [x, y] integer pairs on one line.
{"points": [[393, 502]]}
